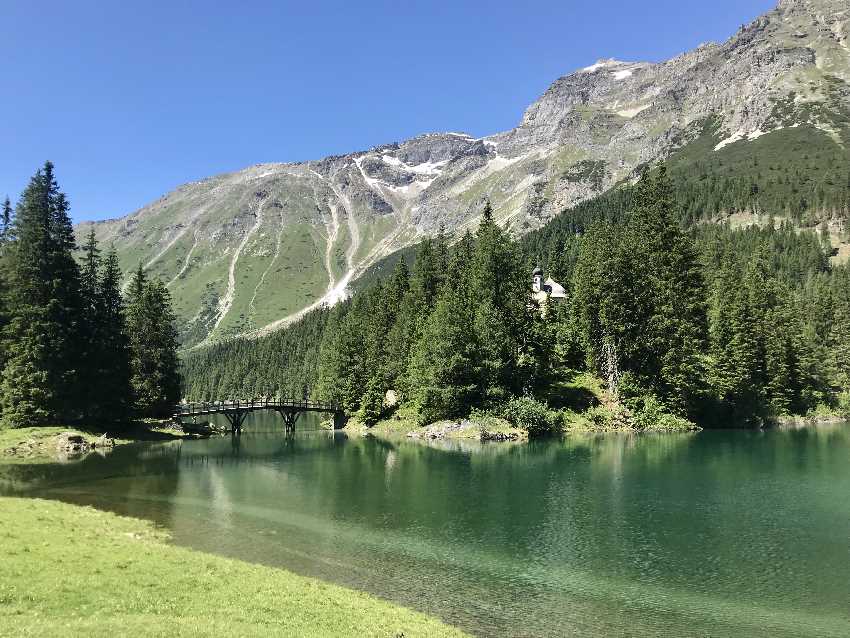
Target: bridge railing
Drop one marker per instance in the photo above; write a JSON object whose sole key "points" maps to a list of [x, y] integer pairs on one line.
{"points": [[231, 405]]}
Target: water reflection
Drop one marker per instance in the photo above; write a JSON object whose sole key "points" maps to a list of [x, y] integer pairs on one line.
{"points": [[720, 533]]}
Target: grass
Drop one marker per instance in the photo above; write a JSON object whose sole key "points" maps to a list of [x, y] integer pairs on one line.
{"points": [[399, 423], [406, 420], [577, 391], [76, 571], [38, 444]]}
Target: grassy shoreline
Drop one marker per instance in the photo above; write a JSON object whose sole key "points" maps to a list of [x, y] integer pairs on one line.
{"points": [[579, 404], [76, 571], [40, 444], [404, 424]]}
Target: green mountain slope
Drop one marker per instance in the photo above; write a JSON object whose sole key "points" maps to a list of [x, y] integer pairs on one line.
{"points": [[757, 125]]}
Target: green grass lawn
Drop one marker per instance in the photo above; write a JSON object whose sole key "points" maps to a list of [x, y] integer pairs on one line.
{"points": [[77, 571]]}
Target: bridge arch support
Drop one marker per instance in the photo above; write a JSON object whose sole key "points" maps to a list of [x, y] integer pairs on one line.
{"points": [[290, 416], [236, 418]]}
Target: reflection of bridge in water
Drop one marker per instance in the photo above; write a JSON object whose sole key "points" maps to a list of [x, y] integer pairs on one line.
{"points": [[236, 411]]}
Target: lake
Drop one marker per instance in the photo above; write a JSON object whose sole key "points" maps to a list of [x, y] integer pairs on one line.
{"points": [[717, 533]]}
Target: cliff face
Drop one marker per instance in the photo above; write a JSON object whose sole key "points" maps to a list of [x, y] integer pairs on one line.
{"points": [[250, 251]]}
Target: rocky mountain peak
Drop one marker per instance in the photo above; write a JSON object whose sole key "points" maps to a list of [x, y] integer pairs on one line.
{"points": [[247, 252]]}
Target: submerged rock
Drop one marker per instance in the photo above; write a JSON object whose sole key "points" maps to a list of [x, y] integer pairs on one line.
{"points": [[103, 442], [499, 436], [71, 444], [204, 428]]}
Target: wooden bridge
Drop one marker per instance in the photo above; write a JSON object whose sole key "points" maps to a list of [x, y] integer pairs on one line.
{"points": [[236, 411]]}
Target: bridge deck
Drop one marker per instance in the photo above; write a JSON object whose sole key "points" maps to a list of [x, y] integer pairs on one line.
{"points": [[224, 407]]}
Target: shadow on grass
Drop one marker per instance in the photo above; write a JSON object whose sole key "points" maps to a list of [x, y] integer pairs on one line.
{"points": [[575, 391]]}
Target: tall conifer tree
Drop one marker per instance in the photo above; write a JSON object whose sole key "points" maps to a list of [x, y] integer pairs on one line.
{"points": [[500, 285], [6, 217], [445, 363], [40, 380], [153, 347], [112, 347]]}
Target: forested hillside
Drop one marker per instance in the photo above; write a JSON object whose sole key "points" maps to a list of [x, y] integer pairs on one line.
{"points": [[715, 324]]}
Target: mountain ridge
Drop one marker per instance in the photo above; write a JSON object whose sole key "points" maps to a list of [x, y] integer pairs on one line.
{"points": [[248, 251]]}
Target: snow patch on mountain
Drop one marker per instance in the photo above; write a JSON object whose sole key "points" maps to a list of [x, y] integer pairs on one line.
{"points": [[429, 167], [601, 64], [392, 161], [740, 135], [423, 168]]}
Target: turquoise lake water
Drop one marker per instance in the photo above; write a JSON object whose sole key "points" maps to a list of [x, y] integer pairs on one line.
{"points": [[732, 533]]}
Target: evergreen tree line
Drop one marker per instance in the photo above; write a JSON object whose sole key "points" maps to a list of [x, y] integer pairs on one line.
{"points": [[797, 173], [454, 334], [803, 195], [279, 365], [722, 326], [72, 348]]}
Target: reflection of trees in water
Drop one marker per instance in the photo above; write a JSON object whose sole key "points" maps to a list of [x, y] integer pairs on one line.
{"points": [[258, 447], [609, 450], [118, 480], [123, 460]]}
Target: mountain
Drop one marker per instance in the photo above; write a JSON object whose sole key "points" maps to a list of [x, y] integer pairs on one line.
{"points": [[247, 252]]}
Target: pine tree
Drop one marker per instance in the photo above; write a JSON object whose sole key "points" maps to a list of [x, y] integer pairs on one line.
{"points": [[137, 287], [499, 282], [90, 323], [677, 329], [386, 303], [444, 366], [539, 348], [166, 347], [90, 271], [153, 347], [40, 380], [6, 218], [342, 372], [6, 254], [427, 277], [399, 338], [734, 369], [612, 299], [839, 332], [112, 350]]}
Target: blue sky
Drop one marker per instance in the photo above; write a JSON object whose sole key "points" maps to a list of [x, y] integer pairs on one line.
{"points": [[131, 99]]}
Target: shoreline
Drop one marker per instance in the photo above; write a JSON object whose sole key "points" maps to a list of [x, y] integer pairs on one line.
{"points": [[45, 444], [101, 574], [815, 420], [49, 444], [605, 419], [468, 429]]}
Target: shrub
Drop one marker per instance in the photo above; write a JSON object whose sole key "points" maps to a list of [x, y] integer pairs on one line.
{"points": [[844, 404], [531, 415], [650, 414]]}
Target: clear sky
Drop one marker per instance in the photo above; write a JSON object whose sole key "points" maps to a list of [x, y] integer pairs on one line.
{"points": [[130, 99]]}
